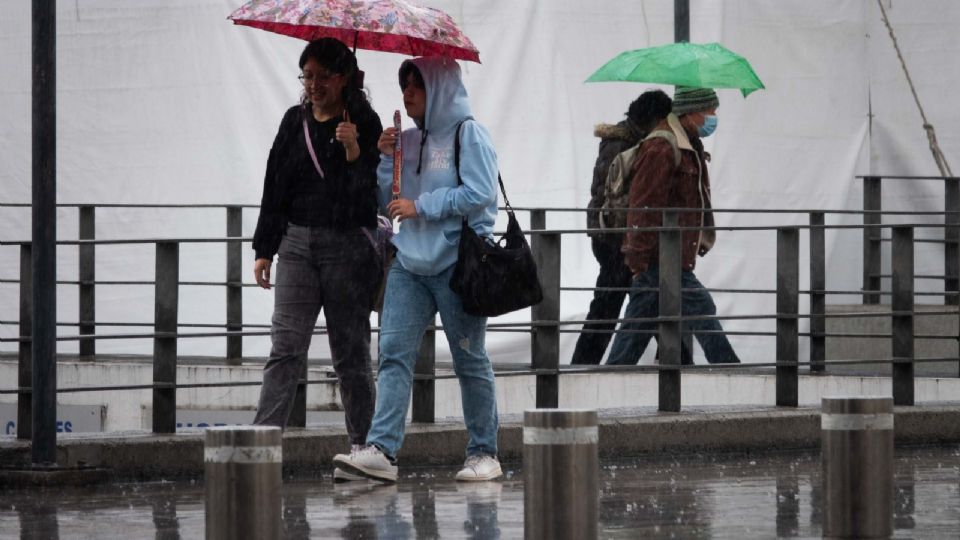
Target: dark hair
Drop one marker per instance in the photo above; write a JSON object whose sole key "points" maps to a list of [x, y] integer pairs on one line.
{"points": [[648, 109], [336, 57], [406, 68]]}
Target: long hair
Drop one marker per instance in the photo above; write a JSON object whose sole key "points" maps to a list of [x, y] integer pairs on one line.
{"points": [[336, 57]]}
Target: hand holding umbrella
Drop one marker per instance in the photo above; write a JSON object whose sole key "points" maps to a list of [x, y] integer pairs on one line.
{"points": [[346, 134]]}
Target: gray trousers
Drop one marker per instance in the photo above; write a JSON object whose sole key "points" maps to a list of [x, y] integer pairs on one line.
{"points": [[339, 272]]}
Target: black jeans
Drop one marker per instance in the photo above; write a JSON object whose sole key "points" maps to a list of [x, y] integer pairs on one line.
{"points": [[606, 305], [339, 272]]}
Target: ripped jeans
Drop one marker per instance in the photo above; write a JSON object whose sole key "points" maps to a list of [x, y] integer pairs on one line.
{"points": [[410, 305]]}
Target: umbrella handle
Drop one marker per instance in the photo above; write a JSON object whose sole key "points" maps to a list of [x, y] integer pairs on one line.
{"points": [[397, 156]]}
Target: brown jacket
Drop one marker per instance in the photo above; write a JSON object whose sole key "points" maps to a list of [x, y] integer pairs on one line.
{"points": [[659, 183]]}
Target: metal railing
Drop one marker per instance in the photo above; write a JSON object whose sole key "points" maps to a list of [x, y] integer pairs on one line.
{"points": [[545, 325]]}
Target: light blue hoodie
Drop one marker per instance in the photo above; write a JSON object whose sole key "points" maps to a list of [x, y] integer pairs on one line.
{"points": [[427, 244]]}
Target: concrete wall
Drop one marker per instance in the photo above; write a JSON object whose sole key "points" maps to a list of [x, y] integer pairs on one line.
{"points": [[130, 410]]}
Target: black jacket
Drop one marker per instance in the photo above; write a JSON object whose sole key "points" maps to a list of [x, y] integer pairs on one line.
{"points": [[613, 140], [293, 191]]}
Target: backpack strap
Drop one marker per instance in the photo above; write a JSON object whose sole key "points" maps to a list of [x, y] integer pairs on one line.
{"points": [[671, 138]]}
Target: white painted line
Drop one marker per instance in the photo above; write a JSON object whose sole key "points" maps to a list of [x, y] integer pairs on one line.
{"points": [[243, 454], [856, 422], [551, 436]]}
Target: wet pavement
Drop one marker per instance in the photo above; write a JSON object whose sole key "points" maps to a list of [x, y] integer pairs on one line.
{"points": [[696, 496]]}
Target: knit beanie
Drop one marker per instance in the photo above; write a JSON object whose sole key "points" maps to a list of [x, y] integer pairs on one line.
{"points": [[689, 100]]}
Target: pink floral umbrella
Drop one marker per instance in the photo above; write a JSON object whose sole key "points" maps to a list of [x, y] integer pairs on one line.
{"points": [[379, 25]]}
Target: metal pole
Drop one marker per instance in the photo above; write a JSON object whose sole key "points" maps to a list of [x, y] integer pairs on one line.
{"points": [[88, 275], [857, 452], [681, 20], [871, 240], [424, 390], [545, 342], [234, 285], [668, 339], [242, 468], [818, 283], [25, 352], [166, 301], [902, 307], [560, 469], [44, 223], [788, 303], [951, 250]]}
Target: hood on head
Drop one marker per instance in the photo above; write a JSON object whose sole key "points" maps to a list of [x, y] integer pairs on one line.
{"points": [[447, 102]]}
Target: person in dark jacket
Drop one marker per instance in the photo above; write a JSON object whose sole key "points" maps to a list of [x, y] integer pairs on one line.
{"points": [[643, 113], [660, 182], [318, 209]]}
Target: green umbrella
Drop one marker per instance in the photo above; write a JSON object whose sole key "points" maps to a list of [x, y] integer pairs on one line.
{"points": [[709, 65]]}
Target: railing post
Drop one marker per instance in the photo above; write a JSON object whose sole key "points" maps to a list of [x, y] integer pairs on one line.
{"points": [[166, 293], [788, 304], [545, 341], [87, 277], [560, 474], [668, 338], [951, 234], [43, 221], [818, 284], [25, 349], [871, 239], [424, 390], [857, 451], [902, 307], [234, 285]]}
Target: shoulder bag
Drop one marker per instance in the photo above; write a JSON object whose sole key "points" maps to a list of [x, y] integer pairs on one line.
{"points": [[494, 277]]}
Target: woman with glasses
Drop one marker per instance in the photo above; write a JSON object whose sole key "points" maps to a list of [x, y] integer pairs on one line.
{"points": [[318, 211]]}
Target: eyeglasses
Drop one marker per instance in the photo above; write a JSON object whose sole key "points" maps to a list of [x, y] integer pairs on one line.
{"points": [[316, 78]]}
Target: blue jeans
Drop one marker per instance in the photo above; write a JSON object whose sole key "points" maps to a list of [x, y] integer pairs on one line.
{"points": [[410, 304], [646, 304]]}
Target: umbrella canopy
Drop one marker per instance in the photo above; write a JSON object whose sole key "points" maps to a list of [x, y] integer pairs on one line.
{"points": [[709, 65], [378, 25]]}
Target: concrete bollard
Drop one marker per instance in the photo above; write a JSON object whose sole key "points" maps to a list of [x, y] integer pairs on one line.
{"points": [[560, 470], [857, 449], [243, 475]]}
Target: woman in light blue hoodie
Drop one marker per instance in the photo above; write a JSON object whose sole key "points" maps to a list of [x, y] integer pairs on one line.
{"points": [[430, 208]]}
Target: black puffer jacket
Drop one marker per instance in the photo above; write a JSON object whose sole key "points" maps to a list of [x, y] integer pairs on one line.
{"points": [[613, 140]]}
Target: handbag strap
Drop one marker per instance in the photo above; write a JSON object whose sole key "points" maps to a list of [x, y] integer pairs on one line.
{"points": [[313, 153], [456, 162]]}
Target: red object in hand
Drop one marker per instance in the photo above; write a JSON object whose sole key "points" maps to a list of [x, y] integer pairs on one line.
{"points": [[397, 157]]}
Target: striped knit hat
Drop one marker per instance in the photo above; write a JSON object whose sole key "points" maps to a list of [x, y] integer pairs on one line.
{"points": [[688, 100]]}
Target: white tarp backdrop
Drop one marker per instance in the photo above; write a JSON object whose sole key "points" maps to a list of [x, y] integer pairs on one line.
{"points": [[165, 101]]}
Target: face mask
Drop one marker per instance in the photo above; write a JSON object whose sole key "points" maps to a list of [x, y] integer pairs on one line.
{"points": [[709, 125]]}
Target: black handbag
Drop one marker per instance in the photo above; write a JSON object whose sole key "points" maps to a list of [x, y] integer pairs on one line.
{"points": [[493, 278]]}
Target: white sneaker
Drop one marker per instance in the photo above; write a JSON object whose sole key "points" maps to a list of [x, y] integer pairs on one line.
{"points": [[340, 475], [479, 468], [369, 462]]}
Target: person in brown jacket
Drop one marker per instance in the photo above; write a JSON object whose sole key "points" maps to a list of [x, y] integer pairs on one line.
{"points": [[661, 180], [615, 277]]}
